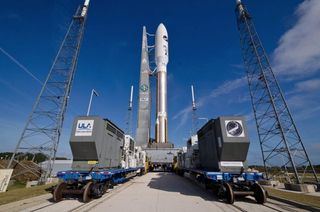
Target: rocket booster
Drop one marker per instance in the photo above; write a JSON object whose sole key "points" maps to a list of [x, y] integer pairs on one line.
{"points": [[162, 59]]}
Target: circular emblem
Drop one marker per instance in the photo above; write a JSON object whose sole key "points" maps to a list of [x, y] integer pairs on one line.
{"points": [[144, 87], [234, 128]]}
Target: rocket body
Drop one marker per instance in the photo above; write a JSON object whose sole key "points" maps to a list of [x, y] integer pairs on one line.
{"points": [[162, 59]]}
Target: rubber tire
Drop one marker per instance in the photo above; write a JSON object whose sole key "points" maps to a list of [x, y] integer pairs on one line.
{"points": [[58, 192], [229, 195], [87, 192], [259, 193]]}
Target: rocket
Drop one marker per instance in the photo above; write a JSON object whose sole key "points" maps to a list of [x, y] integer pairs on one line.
{"points": [[162, 59]]}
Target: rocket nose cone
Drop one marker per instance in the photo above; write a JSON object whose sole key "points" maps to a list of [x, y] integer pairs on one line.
{"points": [[161, 30]]}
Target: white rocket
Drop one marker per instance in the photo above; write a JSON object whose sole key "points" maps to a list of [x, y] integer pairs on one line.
{"points": [[162, 59]]}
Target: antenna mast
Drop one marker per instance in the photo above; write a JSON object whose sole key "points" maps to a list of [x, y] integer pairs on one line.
{"points": [[194, 115], [129, 118]]}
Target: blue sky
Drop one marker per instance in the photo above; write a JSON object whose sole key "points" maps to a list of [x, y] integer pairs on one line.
{"points": [[204, 51]]}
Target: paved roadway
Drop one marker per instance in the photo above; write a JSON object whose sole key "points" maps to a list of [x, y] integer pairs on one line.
{"points": [[153, 192]]}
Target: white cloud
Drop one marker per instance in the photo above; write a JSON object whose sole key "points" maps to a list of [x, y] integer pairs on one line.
{"points": [[298, 51], [228, 86], [304, 104], [308, 85], [307, 113]]}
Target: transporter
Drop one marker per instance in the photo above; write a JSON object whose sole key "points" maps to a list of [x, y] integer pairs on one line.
{"points": [[102, 157], [216, 157], [161, 156]]}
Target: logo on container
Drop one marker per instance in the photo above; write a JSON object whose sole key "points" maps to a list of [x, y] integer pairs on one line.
{"points": [[234, 128], [84, 128]]}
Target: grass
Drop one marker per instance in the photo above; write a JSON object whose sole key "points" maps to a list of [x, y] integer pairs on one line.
{"points": [[16, 185], [17, 193], [313, 201]]}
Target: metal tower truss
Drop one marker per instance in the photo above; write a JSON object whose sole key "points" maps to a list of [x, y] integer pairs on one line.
{"points": [[43, 128], [194, 128], [151, 55], [129, 115], [280, 142]]}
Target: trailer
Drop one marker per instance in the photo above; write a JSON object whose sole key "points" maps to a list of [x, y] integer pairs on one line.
{"points": [[91, 184], [102, 157], [227, 185], [216, 157]]}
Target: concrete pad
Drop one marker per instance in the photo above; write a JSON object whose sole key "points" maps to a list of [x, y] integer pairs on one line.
{"points": [[162, 192], [152, 192]]}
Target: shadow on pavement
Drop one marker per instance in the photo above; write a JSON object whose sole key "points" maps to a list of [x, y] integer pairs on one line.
{"points": [[173, 183]]}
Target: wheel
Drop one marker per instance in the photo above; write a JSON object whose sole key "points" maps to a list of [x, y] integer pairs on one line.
{"points": [[58, 191], [99, 189], [259, 193], [87, 196], [111, 184], [229, 195], [220, 191]]}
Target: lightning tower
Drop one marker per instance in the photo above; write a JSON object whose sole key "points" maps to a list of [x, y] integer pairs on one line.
{"points": [[278, 135], [42, 131], [129, 117], [194, 115]]}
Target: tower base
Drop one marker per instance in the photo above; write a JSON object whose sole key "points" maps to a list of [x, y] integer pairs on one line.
{"points": [[160, 145]]}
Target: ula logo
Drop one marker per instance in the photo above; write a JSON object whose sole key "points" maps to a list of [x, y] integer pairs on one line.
{"points": [[84, 126]]}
